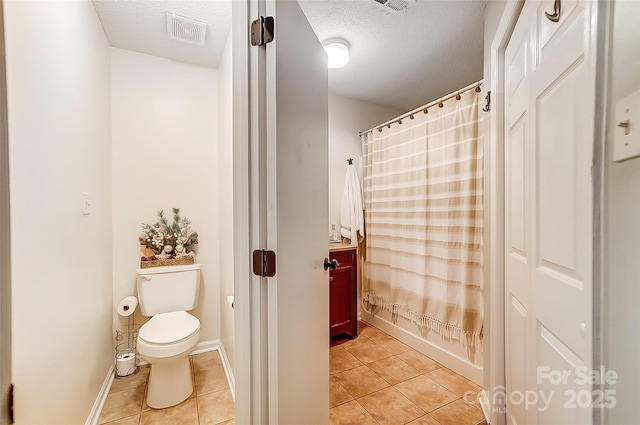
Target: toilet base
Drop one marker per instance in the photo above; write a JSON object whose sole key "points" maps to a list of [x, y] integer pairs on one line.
{"points": [[169, 383]]}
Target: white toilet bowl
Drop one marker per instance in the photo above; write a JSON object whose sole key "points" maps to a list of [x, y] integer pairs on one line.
{"points": [[166, 341]]}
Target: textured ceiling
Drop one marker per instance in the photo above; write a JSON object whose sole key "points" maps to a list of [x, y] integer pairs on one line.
{"points": [[403, 60], [141, 26]]}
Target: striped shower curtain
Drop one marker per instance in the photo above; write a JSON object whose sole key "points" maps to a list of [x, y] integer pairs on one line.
{"points": [[423, 198]]}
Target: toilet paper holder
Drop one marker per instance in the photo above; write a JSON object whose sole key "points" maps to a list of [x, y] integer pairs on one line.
{"points": [[126, 354]]}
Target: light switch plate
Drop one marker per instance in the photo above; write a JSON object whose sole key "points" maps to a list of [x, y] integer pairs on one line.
{"points": [[86, 203], [627, 128]]}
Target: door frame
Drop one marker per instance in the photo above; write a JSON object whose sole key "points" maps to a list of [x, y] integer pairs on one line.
{"points": [[260, 388], [251, 393], [5, 237], [495, 390], [495, 385]]}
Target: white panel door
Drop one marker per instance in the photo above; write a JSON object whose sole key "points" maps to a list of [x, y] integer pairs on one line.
{"points": [[293, 114], [549, 121]]}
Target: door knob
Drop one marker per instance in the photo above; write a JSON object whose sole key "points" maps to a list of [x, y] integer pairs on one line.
{"points": [[333, 264]]}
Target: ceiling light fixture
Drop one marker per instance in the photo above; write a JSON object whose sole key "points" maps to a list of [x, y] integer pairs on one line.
{"points": [[338, 52]]}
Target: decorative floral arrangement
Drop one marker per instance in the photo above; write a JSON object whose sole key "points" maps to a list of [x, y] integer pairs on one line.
{"points": [[161, 241]]}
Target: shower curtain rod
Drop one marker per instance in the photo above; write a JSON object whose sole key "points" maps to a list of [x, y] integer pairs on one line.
{"points": [[424, 108]]}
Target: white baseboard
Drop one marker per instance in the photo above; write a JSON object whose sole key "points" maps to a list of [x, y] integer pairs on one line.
{"points": [[212, 345], [457, 364], [205, 346], [227, 370], [215, 344], [483, 399], [94, 414]]}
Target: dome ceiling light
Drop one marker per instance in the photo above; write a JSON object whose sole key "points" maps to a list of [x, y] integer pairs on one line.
{"points": [[337, 50]]}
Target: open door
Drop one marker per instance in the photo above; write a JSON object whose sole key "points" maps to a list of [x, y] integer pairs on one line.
{"points": [[549, 100], [5, 245], [282, 322], [297, 219]]}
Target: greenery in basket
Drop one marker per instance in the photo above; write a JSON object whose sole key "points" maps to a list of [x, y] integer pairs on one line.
{"points": [[164, 240]]}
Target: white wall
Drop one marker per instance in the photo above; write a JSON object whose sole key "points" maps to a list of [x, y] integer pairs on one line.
{"points": [[58, 76], [165, 154], [225, 200], [348, 117], [622, 227]]}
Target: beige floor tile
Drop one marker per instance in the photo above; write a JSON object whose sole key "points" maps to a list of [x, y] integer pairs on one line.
{"points": [[216, 407], [229, 422], [393, 370], [131, 420], [392, 345], [390, 407], [122, 404], [337, 393], [366, 351], [372, 333], [419, 361], [457, 413], [145, 406], [471, 397], [205, 361], [210, 380], [455, 383], [351, 413], [340, 359], [426, 393], [121, 383], [360, 381], [185, 413], [351, 342], [424, 420]]}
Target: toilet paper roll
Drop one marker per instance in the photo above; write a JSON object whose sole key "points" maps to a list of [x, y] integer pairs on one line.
{"points": [[230, 300], [127, 306]]}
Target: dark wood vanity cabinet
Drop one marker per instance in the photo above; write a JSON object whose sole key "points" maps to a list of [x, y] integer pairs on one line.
{"points": [[343, 288]]}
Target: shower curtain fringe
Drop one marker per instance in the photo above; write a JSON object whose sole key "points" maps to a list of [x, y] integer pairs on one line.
{"points": [[445, 330]]}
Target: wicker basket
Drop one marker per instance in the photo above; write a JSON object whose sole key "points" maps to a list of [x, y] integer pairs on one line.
{"points": [[168, 262]]}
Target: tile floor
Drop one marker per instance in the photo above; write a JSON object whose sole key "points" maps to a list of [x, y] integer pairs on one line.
{"points": [[211, 403], [376, 379]]}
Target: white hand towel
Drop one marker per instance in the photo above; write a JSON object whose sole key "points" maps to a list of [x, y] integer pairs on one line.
{"points": [[351, 212]]}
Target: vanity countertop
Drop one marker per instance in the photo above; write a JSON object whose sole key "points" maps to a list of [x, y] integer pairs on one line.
{"points": [[340, 246]]}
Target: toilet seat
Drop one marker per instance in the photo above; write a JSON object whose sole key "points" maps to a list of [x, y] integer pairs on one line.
{"points": [[169, 328], [168, 334]]}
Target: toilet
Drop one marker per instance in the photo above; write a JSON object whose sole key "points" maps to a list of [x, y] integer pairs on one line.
{"points": [[166, 294]]}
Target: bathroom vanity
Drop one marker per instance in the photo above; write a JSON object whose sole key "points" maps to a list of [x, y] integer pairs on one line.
{"points": [[343, 290]]}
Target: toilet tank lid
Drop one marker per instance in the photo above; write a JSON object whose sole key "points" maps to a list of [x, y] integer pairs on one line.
{"points": [[166, 328]]}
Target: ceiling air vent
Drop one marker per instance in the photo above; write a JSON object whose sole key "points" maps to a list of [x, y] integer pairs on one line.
{"points": [[396, 5], [185, 29]]}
